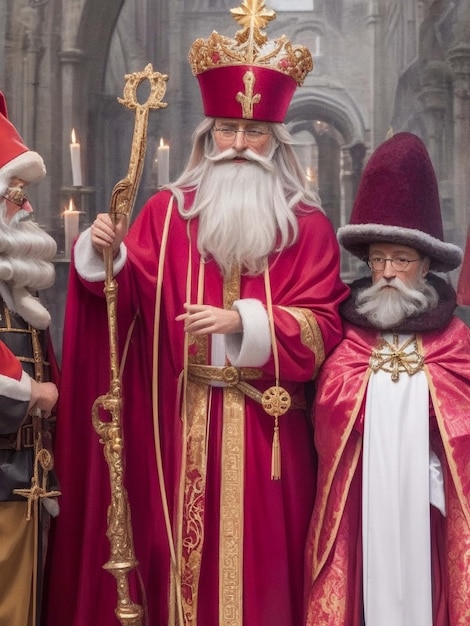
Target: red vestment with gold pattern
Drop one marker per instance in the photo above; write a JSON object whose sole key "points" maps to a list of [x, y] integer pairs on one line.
{"points": [[238, 535], [334, 570]]}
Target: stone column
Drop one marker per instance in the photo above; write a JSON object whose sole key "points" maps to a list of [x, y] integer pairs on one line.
{"points": [[31, 50], [459, 60], [373, 27], [433, 99]]}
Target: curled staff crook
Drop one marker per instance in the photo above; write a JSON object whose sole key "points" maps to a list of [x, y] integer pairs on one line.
{"points": [[119, 531]]}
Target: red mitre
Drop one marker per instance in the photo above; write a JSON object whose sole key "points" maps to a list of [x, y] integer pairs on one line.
{"points": [[15, 158], [398, 202], [247, 92], [249, 77]]}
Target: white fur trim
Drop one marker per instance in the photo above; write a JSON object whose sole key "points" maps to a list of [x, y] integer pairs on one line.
{"points": [[252, 347], [29, 166], [357, 237], [89, 264], [16, 389], [29, 307]]}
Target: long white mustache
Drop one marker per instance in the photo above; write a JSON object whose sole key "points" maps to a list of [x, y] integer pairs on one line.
{"points": [[388, 302], [248, 154]]}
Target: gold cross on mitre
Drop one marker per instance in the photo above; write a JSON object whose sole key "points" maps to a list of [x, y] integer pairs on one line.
{"points": [[247, 99]]}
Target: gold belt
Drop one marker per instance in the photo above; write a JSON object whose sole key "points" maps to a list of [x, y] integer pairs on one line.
{"points": [[234, 377]]}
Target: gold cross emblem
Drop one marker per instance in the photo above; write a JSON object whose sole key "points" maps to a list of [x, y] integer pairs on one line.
{"points": [[247, 99]]}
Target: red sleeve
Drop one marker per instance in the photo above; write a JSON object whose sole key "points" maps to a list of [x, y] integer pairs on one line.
{"points": [[10, 366], [306, 293]]}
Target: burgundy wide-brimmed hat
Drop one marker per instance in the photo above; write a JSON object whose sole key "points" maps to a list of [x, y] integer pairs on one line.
{"points": [[249, 76], [15, 158], [398, 202]]}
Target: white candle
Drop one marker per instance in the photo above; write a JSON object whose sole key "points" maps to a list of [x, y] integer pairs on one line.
{"points": [[163, 156], [76, 163], [71, 222]]}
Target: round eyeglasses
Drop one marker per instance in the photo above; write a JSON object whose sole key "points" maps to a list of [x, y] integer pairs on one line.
{"points": [[252, 135], [399, 264], [15, 195]]}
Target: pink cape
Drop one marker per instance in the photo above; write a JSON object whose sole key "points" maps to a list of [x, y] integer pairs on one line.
{"points": [[334, 550]]}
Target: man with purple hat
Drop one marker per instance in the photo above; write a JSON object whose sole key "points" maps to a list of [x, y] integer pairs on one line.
{"points": [[27, 397], [389, 540], [228, 280]]}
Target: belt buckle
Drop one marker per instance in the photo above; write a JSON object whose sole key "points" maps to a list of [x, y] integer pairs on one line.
{"points": [[231, 375], [27, 436]]}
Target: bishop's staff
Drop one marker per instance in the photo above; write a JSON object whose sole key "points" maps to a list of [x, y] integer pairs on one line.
{"points": [[119, 532]]}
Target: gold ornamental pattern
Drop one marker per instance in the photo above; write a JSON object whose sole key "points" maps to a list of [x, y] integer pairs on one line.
{"points": [[251, 46]]}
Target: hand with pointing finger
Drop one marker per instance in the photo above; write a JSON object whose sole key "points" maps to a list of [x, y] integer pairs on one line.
{"points": [[204, 319]]}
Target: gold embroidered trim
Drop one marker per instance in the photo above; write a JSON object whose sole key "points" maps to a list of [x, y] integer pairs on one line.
{"points": [[392, 358], [310, 333], [195, 415], [232, 490], [194, 499], [232, 510], [229, 374]]}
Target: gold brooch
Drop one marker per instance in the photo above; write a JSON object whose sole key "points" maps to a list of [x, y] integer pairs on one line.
{"points": [[394, 359]]}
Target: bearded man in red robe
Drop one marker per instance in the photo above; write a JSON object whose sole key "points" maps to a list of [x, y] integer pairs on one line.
{"points": [[389, 541], [27, 393], [228, 290]]}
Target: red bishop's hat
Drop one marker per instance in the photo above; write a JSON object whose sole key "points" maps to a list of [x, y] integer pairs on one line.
{"points": [[249, 77], [15, 158], [398, 202]]}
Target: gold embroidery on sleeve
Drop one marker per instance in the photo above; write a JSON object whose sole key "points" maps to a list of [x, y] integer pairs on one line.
{"points": [[310, 333]]}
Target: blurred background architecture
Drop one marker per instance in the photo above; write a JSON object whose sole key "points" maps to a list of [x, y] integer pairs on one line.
{"points": [[381, 66]]}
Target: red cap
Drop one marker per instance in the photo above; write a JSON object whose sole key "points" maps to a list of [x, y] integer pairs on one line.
{"points": [[15, 158], [398, 202]]}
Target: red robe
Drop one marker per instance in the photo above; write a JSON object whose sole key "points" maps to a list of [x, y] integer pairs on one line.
{"points": [[334, 578], [306, 292]]}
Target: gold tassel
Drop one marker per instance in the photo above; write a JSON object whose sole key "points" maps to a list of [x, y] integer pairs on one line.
{"points": [[276, 452]]}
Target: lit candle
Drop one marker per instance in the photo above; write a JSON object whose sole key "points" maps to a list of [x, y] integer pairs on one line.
{"points": [[76, 163], [71, 219], [163, 156], [311, 177]]}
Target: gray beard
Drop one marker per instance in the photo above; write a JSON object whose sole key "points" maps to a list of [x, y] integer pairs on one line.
{"points": [[243, 215], [387, 303], [26, 252]]}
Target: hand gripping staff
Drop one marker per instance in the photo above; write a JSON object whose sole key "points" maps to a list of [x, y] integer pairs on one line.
{"points": [[119, 531]]}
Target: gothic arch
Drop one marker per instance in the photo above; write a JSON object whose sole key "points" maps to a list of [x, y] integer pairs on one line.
{"points": [[336, 127]]}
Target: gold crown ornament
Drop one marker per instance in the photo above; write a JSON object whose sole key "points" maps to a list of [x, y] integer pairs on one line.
{"points": [[249, 76]]}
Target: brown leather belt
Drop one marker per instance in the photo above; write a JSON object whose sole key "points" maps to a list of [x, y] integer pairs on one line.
{"points": [[21, 440], [235, 377]]}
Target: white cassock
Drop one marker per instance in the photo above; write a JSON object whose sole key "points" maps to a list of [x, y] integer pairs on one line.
{"points": [[396, 497]]}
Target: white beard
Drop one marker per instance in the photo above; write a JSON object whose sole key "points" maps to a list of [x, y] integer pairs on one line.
{"points": [[26, 252], [243, 216], [387, 303]]}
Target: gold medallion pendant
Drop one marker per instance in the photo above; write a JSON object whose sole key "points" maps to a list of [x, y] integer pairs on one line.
{"points": [[276, 401]]}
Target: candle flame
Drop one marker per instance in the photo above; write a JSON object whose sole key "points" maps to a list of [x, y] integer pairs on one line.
{"points": [[71, 206], [310, 174], [74, 138], [162, 143]]}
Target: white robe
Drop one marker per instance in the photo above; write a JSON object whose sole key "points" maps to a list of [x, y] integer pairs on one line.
{"points": [[396, 501]]}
